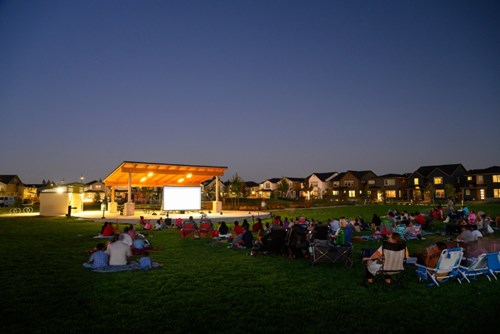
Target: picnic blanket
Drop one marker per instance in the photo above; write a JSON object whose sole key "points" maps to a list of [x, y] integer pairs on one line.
{"points": [[133, 266]]}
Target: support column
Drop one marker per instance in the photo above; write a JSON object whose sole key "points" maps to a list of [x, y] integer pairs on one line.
{"points": [[113, 206], [129, 206], [216, 205]]}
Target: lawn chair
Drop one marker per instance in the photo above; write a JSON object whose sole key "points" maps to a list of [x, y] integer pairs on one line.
{"points": [[447, 267], [319, 247], [206, 228], [341, 247], [493, 260], [390, 264], [187, 230], [479, 266]]}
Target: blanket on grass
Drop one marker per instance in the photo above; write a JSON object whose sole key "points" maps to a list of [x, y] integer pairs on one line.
{"points": [[133, 266]]}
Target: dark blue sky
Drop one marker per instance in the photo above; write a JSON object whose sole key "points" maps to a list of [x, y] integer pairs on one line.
{"points": [[267, 88]]}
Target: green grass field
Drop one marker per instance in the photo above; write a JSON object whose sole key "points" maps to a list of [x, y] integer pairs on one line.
{"points": [[204, 287]]}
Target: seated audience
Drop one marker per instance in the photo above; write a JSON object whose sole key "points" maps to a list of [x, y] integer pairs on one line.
{"points": [[98, 259], [119, 252]]}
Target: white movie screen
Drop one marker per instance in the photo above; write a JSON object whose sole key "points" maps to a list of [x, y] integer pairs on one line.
{"points": [[181, 198]]}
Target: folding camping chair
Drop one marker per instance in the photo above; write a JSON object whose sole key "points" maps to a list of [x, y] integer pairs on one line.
{"points": [[447, 267], [493, 260], [319, 247], [479, 266], [391, 263], [206, 228], [341, 247]]}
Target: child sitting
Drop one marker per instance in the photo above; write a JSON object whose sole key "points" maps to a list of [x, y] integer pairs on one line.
{"points": [[98, 259], [145, 261]]}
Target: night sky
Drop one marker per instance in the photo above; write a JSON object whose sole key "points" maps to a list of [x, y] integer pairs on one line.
{"points": [[267, 88]]}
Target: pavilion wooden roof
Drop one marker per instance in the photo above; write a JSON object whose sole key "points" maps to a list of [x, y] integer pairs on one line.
{"points": [[150, 174]]}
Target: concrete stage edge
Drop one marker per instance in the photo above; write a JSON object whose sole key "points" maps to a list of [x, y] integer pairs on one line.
{"points": [[227, 216]]}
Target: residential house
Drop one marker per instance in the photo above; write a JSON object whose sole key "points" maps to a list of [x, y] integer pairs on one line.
{"points": [[319, 184], [11, 185], [482, 184], [388, 187], [295, 186], [267, 187], [252, 189], [351, 185], [432, 182], [91, 189]]}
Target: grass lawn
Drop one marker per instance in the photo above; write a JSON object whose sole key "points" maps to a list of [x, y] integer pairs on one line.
{"points": [[204, 287]]}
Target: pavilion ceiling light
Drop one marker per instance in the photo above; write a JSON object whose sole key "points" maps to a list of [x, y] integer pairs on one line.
{"points": [[189, 175], [150, 174], [143, 179], [181, 180]]}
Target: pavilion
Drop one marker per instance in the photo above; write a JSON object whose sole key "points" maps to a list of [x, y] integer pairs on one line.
{"points": [[150, 174]]}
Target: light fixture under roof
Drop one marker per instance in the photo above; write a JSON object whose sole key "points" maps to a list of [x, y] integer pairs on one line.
{"points": [[189, 175], [181, 180]]}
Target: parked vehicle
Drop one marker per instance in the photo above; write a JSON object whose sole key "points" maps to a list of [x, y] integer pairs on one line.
{"points": [[7, 201]]}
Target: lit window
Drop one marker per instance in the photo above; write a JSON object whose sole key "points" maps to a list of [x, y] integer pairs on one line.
{"points": [[438, 180], [371, 181], [496, 178], [389, 182], [390, 194], [314, 184], [469, 178], [439, 193], [416, 181], [481, 194], [352, 193], [479, 179], [496, 193], [335, 193], [467, 192]]}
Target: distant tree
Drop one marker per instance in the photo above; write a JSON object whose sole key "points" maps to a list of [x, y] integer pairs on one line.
{"points": [[450, 191], [283, 188], [97, 197], [236, 188]]}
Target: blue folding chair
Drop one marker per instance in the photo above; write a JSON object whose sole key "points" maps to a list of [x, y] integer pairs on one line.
{"points": [[447, 267]]}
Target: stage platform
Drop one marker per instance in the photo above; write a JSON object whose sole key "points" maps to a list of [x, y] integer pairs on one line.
{"points": [[227, 216]]}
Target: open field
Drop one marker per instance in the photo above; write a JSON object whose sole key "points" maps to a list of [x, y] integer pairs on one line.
{"points": [[204, 287]]}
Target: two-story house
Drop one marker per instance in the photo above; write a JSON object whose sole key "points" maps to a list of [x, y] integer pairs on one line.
{"points": [[482, 184], [351, 185], [317, 185], [267, 187], [388, 187], [435, 179]]}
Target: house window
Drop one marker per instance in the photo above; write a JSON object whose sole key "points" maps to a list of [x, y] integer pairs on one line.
{"points": [[267, 185], [438, 180], [348, 183], [496, 178], [467, 192], [416, 181], [336, 183], [371, 182], [390, 194], [389, 182], [352, 193], [335, 192], [496, 193], [481, 194], [479, 179], [439, 193], [314, 184], [469, 178]]}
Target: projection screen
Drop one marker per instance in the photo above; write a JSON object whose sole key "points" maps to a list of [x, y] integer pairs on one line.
{"points": [[181, 198]]}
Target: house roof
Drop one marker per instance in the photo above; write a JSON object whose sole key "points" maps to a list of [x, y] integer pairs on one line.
{"points": [[273, 180], [447, 169], [150, 174], [7, 178], [295, 179], [339, 176], [391, 175], [360, 173], [489, 170], [324, 176], [250, 184]]}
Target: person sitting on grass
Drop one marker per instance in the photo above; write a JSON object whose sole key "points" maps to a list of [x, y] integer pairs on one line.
{"points": [[119, 252], [98, 259], [145, 261], [431, 255], [243, 240]]}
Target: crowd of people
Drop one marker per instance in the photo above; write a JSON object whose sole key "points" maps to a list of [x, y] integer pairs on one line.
{"points": [[119, 249]]}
